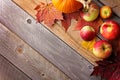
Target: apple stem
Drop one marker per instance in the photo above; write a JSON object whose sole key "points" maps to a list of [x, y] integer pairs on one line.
{"points": [[85, 3], [103, 48], [46, 2]]}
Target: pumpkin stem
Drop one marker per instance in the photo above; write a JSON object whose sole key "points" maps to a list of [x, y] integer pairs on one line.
{"points": [[85, 3], [86, 9]]}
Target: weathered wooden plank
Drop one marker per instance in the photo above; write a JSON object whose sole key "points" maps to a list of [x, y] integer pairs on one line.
{"points": [[26, 59], [9, 72], [43, 41]]}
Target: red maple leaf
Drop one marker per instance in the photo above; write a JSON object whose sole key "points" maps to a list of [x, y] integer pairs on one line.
{"points": [[116, 46], [68, 17], [95, 24], [48, 14], [109, 70]]}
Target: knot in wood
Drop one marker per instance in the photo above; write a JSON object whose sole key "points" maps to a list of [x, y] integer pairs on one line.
{"points": [[19, 49]]}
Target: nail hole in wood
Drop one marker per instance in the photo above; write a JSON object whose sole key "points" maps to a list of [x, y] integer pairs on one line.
{"points": [[43, 74], [29, 21], [90, 67]]}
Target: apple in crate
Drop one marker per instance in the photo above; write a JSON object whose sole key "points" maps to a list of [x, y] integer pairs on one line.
{"points": [[105, 12], [102, 49], [110, 30], [90, 13], [87, 33]]}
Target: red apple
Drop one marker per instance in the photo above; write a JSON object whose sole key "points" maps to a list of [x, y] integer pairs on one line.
{"points": [[110, 30], [91, 13], [87, 33], [102, 49], [105, 12]]}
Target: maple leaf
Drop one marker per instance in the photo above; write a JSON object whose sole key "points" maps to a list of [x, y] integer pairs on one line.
{"points": [[48, 14], [68, 17], [116, 46], [88, 44], [95, 24], [107, 70]]}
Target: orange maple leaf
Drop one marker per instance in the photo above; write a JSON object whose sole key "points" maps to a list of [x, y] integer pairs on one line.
{"points": [[48, 14]]}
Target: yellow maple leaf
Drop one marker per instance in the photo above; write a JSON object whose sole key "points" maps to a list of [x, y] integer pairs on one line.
{"points": [[88, 44]]}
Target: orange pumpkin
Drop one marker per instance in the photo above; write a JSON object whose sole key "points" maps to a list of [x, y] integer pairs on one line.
{"points": [[67, 6]]}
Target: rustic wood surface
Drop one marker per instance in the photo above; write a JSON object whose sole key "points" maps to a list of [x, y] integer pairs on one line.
{"points": [[26, 59], [41, 40], [38, 51], [9, 72], [72, 37]]}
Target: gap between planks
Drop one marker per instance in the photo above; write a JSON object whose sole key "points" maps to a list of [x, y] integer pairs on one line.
{"points": [[26, 59]]}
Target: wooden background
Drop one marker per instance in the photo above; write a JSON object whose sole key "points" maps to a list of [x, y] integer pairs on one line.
{"points": [[32, 51]]}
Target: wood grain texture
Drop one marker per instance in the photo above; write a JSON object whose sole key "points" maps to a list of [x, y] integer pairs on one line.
{"points": [[26, 59], [43, 41], [10, 72], [115, 4], [72, 37]]}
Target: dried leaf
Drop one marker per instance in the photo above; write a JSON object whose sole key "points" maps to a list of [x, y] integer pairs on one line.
{"points": [[48, 14], [88, 44], [107, 71], [116, 46], [115, 74], [95, 24], [68, 17]]}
